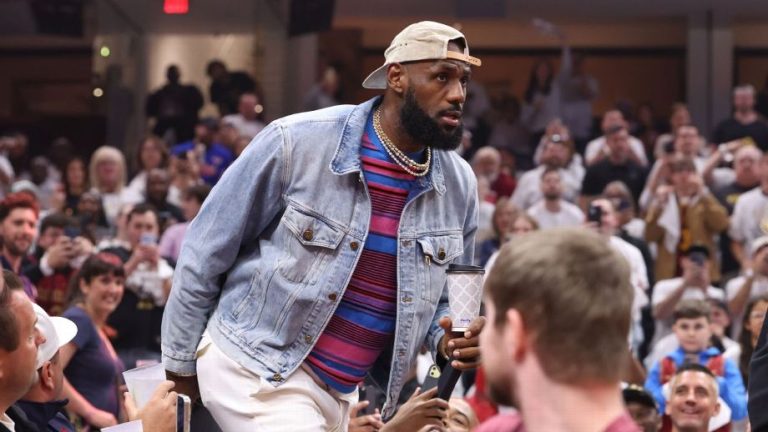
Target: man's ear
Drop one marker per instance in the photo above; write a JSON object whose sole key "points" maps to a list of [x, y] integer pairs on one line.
{"points": [[397, 78], [47, 375], [515, 336]]}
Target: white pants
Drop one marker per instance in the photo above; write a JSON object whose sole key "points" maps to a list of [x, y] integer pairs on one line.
{"points": [[241, 401]]}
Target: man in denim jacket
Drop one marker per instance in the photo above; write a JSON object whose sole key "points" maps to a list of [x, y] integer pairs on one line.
{"points": [[320, 255]]}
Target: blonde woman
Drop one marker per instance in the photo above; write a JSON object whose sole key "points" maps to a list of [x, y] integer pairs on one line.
{"points": [[107, 172]]}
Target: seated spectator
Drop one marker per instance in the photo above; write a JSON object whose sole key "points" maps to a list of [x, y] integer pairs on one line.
{"points": [[555, 154], [693, 398], [152, 154], [521, 224], [750, 214], [91, 366], [753, 284], [691, 327], [246, 121], [694, 284], [75, 181], [92, 219], [746, 177], [546, 345], [617, 165], [503, 216], [137, 318], [39, 175], [170, 243], [487, 163], [599, 149], [626, 212], [107, 174], [687, 144], [158, 186], [207, 156], [642, 408], [487, 198], [745, 122], [680, 117], [325, 92], [19, 342], [754, 317], [683, 214], [575, 163], [18, 219], [42, 405], [59, 251], [719, 321], [553, 211]]}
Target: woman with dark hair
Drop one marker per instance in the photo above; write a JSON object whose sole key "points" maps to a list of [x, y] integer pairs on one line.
{"points": [[542, 99], [75, 181], [91, 366], [503, 216], [750, 331], [151, 154]]}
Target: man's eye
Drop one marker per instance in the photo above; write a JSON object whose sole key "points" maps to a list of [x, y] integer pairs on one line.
{"points": [[442, 77]]}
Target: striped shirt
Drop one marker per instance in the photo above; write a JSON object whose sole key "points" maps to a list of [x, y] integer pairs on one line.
{"points": [[364, 323]]}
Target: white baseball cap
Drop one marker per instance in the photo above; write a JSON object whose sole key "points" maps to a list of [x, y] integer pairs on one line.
{"points": [[58, 331], [759, 243], [425, 40]]}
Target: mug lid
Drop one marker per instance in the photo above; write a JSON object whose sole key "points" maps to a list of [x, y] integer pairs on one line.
{"points": [[463, 268]]}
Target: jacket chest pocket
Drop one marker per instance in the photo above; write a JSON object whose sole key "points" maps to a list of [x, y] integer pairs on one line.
{"points": [[309, 245], [437, 251]]}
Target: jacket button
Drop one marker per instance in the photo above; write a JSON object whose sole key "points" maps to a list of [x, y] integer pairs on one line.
{"points": [[405, 243], [332, 296], [441, 254], [277, 377], [407, 299], [354, 245], [307, 338], [308, 234]]}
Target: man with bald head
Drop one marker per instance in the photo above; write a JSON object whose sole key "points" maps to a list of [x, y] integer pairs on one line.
{"points": [[693, 398]]}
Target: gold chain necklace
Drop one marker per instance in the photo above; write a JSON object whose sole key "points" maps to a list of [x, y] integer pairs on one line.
{"points": [[409, 165]]}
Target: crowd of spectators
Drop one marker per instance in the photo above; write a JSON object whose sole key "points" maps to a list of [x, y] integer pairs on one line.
{"points": [[95, 238]]}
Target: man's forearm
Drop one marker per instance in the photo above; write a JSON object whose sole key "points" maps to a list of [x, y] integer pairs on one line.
{"points": [[664, 309]]}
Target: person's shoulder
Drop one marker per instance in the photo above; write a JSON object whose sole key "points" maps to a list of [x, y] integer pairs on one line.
{"points": [[502, 423], [79, 317], [715, 293], [336, 113], [183, 147]]}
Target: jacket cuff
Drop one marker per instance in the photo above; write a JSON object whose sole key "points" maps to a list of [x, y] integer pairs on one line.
{"points": [[180, 367]]}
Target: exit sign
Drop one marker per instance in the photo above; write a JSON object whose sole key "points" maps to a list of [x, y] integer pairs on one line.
{"points": [[175, 7]]}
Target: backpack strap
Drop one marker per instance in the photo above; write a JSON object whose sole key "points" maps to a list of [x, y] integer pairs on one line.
{"points": [[717, 365], [668, 368]]}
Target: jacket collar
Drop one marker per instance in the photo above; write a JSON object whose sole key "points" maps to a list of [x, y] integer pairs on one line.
{"points": [[346, 159], [40, 413]]}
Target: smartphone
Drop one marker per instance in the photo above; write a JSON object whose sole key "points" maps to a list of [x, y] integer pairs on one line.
{"points": [[669, 147], [698, 258], [148, 239], [72, 232], [432, 378], [183, 413], [595, 214]]}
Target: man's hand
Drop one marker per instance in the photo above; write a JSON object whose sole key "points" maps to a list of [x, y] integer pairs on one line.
{"points": [[422, 409], [185, 385], [462, 349], [82, 247], [159, 415], [60, 253], [366, 423]]}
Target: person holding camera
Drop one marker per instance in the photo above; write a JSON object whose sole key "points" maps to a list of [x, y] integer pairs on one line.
{"points": [[693, 284], [682, 214]]}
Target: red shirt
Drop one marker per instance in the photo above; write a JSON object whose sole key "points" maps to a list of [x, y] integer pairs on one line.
{"points": [[514, 423]]}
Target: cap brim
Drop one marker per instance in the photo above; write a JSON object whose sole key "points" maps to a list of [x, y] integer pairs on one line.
{"points": [[377, 79], [66, 330]]}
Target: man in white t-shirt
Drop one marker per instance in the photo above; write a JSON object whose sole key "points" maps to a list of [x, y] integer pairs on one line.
{"points": [[694, 284], [750, 217], [598, 149], [553, 211], [246, 121], [752, 284], [554, 155]]}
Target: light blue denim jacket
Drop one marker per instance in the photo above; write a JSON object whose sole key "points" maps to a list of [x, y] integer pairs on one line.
{"points": [[266, 261]]}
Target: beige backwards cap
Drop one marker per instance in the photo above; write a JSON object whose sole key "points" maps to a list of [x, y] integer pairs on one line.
{"points": [[426, 40]]}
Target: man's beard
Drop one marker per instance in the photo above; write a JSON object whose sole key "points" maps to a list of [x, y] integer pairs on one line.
{"points": [[551, 196], [13, 249], [424, 129]]}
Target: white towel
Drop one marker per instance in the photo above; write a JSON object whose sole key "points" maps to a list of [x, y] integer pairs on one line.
{"points": [[669, 220]]}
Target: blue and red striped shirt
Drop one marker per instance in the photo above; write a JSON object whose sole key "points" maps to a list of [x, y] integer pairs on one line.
{"points": [[364, 322]]}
